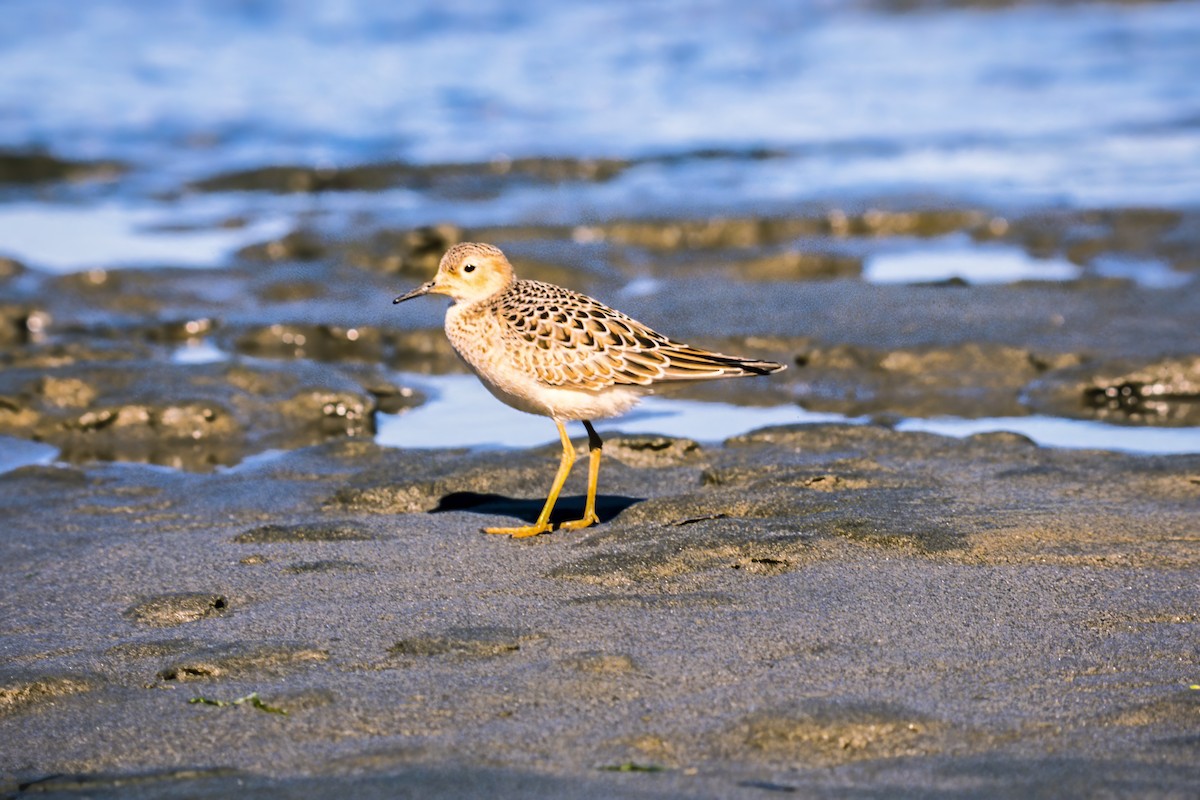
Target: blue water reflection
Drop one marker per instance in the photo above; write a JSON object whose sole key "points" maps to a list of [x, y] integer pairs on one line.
{"points": [[460, 413], [1083, 102]]}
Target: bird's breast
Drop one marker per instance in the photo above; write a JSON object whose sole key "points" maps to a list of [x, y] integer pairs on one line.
{"points": [[477, 336]]}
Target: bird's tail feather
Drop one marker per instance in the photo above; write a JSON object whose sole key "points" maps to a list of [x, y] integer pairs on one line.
{"points": [[690, 363]]}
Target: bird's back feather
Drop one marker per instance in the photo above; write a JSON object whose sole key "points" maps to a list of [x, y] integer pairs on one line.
{"points": [[568, 339]]}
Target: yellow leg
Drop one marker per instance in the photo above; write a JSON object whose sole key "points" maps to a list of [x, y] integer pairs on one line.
{"points": [[564, 469], [595, 444]]}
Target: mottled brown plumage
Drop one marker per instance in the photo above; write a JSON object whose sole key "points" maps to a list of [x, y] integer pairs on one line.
{"points": [[555, 352], [565, 338]]}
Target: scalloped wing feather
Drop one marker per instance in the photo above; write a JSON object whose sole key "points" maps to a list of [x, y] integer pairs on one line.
{"points": [[569, 339]]}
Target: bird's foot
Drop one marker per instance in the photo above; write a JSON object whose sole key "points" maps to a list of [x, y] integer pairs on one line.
{"points": [[535, 529], [521, 532], [576, 524]]}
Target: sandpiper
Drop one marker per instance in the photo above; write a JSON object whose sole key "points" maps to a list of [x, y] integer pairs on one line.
{"points": [[555, 352]]}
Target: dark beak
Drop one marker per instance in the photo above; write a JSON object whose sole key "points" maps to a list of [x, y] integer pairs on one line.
{"points": [[424, 288]]}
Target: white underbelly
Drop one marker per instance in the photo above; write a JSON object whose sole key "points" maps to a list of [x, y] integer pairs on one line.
{"points": [[559, 402]]}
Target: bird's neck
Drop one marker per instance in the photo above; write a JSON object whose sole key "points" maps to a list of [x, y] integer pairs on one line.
{"points": [[481, 301]]}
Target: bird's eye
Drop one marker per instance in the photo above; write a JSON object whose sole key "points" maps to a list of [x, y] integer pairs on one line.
{"points": [[468, 268]]}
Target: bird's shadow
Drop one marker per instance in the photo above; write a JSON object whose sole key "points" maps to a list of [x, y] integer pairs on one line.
{"points": [[567, 508]]}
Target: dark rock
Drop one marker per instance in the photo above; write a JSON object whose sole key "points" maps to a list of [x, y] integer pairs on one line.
{"points": [[296, 246], [191, 416], [320, 342], [1165, 392], [33, 167]]}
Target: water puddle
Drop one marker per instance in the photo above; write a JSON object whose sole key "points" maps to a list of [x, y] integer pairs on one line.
{"points": [[16, 453], [198, 351], [957, 257], [63, 239], [459, 412], [252, 462], [1145, 272], [1075, 434]]}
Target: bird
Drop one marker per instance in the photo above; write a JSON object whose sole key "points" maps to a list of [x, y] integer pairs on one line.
{"points": [[548, 350]]}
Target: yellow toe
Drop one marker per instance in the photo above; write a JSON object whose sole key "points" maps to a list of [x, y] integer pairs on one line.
{"points": [[519, 533], [576, 524]]}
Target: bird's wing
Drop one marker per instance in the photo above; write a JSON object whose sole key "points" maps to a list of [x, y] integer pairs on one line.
{"points": [[569, 339]]}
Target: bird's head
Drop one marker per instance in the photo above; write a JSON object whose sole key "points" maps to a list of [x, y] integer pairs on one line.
{"points": [[469, 271]]}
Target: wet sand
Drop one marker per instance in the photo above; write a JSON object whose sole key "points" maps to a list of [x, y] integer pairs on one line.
{"points": [[820, 610], [826, 609]]}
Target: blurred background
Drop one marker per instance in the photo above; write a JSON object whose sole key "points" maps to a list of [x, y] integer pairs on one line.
{"points": [[231, 175], [721, 105]]}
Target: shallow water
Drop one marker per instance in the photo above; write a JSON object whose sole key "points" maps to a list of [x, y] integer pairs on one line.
{"points": [[16, 453], [958, 258], [459, 412], [198, 351], [1083, 103], [72, 238], [722, 109], [1075, 434]]}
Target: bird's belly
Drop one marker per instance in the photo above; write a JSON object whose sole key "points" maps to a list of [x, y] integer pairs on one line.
{"points": [[478, 344], [563, 403]]}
